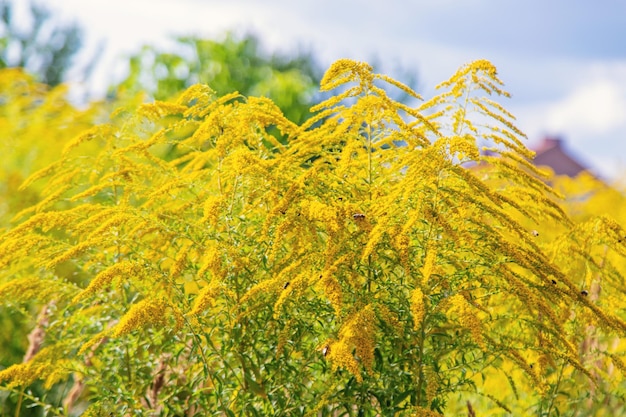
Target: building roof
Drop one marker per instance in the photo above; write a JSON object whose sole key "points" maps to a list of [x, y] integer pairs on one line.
{"points": [[550, 152]]}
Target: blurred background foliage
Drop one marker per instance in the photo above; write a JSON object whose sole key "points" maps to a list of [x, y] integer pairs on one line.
{"points": [[37, 41], [227, 65]]}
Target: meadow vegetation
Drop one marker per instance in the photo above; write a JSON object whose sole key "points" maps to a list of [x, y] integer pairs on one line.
{"points": [[206, 255]]}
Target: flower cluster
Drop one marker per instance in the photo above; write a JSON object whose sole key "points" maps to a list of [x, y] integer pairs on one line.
{"points": [[372, 258]]}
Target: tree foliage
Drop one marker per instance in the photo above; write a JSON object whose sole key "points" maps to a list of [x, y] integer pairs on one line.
{"points": [[42, 46], [227, 65], [377, 263]]}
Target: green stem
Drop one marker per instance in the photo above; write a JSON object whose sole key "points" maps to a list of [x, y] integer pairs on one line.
{"points": [[420, 361], [18, 407], [128, 365], [554, 390], [35, 400]]}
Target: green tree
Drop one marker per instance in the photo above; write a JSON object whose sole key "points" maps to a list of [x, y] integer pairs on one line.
{"points": [[42, 46], [226, 65]]}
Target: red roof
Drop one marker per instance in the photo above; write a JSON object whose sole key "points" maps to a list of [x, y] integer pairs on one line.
{"points": [[550, 152]]}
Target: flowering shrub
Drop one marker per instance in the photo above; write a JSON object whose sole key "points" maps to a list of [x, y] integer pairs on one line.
{"points": [[380, 262], [33, 118]]}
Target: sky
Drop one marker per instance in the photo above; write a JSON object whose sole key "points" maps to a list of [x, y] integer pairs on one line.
{"points": [[563, 61]]}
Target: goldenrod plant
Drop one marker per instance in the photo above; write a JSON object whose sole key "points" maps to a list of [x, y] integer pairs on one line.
{"points": [[35, 122], [379, 259]]}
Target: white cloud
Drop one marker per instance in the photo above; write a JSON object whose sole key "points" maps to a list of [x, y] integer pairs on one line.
{"points": [[608, 165], [594, 108], [585, 105]]}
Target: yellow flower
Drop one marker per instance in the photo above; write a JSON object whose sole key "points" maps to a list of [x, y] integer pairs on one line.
{"points": [[100, 131], [212, 209], [332, 287], [325, 214], [418, 308], [181, 260], [340, 355], [32, 288], [296, 284], [124, 270], [429, 263], [147, 312], [345, 70], [283, 337], [425, 412], [401, 243], [467, 318], [211, 262], [206, 297], [358, 335], [74, 251], [48, 364]]}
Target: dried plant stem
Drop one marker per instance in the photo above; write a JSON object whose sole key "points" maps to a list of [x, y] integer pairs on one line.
{"points": [[470, 410]]}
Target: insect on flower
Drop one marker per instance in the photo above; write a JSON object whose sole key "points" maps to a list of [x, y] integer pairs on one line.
{"points": [[554, 282], [358, 216], [584, 292], [325, 350], [286, 285]]}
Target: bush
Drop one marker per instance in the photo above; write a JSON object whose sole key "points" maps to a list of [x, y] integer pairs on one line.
{"points": [[378, 263]]}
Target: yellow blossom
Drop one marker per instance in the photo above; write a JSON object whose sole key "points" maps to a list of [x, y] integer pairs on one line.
{"points": [[45, 365], [206, 297], [212, 208], [467, 318], [429, 264], [425, 412], [418, 308], [125, 271], [147, 312], [30, 288]]}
